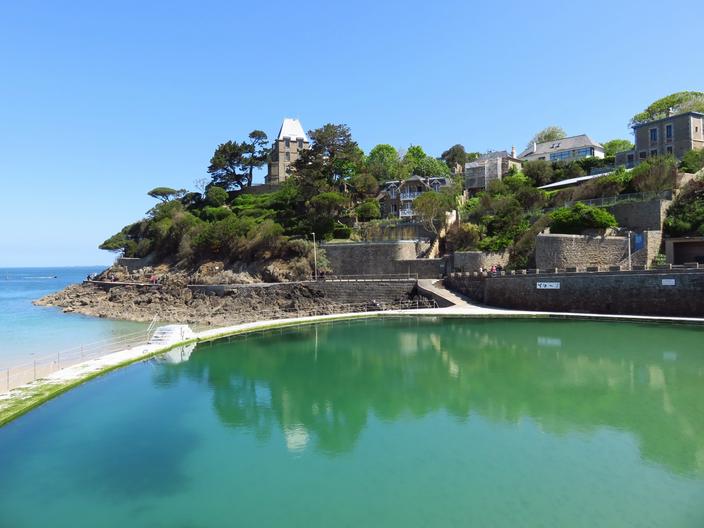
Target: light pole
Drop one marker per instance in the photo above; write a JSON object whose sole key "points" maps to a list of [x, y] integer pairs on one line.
{"points": [[315, 259], [630, 268]]}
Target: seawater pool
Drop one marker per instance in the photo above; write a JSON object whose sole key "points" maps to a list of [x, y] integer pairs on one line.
{"points": [[381, 422]]}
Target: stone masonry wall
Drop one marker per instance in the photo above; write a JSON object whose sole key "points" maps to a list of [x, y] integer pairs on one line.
{"points": [[639, 216], [668, 293], [368, 258], [473, 260], [564, 251]]}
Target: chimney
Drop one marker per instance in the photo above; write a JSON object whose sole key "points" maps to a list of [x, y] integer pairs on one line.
{"points": [[513, 151], [669, 112], [535, 146]]}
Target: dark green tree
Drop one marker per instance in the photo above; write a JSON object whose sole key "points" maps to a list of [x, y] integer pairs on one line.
{"points": [[256, 152], [228, 166], [551, 133], [166, 193], [455, 155]]}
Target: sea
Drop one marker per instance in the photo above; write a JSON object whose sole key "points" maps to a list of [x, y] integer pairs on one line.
{"points": [[29, 332]]}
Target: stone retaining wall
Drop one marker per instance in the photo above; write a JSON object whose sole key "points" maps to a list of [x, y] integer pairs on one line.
{"points": [[352, 292], [473, 260], [381, 258], [674, 293], [639, 216]]}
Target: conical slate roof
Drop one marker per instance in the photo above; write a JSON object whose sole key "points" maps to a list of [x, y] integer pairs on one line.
{"points": [[292, 129]]}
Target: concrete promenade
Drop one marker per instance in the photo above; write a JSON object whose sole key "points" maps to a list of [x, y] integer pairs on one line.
{"points": [[22, 399]]}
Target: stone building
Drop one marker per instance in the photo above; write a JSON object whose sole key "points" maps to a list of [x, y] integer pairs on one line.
{"points": [[672, 135], [396, 197], [565, 149], [491, 166], [290, 142]]}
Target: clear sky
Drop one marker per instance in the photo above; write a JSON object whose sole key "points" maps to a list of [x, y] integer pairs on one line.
{"points": [[102, 101]]}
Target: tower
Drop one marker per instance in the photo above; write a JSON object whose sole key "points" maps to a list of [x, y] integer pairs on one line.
{"points": [[291, 141]]}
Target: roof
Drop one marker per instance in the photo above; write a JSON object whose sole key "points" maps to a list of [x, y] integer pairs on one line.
{"points": [[481, 160], [570, 181], [292, 129], [667, 118], [568, 143]]}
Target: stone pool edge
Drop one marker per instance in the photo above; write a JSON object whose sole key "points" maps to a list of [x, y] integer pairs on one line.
{"points": [[23, 399]]}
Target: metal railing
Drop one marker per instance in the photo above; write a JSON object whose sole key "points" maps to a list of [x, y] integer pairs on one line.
{"points": [[41, 367], [369, 277], [606, 201], [410, 195]]}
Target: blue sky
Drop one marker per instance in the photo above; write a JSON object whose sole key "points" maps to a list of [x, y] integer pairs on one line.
{"points": [[102, 101]]}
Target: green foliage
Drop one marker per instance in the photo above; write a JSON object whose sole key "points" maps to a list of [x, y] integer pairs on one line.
{"points": [[455, 155], [431, 207], [384, 163], [233, 163], [368, 210], [117, 242], [341, 232], [464, 237], [166, 193], [540, 172], [574, 220], [655, 174], [216, 196], [678, 103], [693, 161], [614, 146], [686, 215], [550, 133]]}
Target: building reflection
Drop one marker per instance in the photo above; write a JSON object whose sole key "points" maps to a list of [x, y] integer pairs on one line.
{"points": [[320, 386]]}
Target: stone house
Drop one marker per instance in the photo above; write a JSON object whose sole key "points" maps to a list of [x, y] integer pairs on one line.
{"points": [[396, 197], [290, 142], [491, 166], [565, 149], [673, 135]]}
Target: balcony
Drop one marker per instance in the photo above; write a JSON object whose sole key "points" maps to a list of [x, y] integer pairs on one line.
{"points": [[410, 195], [406, 212]]}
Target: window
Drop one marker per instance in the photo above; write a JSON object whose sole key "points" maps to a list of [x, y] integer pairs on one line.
{"points": [[630, 158], [288, 156], [300, 144], [669, 149], [653, 153], [642, 154], [287, 142], [653, 135], [668, 132]]}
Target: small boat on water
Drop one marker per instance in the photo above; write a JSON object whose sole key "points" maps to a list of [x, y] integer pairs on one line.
{"points": [[171, 334]]}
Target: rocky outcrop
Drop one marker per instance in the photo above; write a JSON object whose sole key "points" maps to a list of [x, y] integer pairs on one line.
{"points": [[179, 303]]}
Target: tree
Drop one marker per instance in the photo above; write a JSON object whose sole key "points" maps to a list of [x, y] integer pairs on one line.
{"points": [[384, 163], [551, 133], [574, 220], [431, 207], [677, 103], [455, 155], [614, 146], [368, 210], [166, 193], [216, 196], [227, 166], [256, 152], [693, 161], [540, 171]]}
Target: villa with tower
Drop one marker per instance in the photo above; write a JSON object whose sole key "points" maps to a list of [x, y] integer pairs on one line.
{"points": [[290, 142]]}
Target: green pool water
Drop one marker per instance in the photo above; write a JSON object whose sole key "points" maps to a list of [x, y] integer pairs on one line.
{"points": [[397, 422]]}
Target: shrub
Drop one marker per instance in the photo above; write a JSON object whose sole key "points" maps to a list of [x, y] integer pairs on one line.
{"points": [[463, 237], [574, 220], [216, 196], [539, 171], [655, 174], [693, 161], [341, 231], [368, 210], [686, 215]]}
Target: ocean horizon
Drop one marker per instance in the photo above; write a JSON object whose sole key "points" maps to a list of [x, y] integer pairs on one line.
{"points": [[29, 332]]}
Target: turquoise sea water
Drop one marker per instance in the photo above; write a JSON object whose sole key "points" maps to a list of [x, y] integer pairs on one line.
{"points": [[28, 331], [398, 423]]}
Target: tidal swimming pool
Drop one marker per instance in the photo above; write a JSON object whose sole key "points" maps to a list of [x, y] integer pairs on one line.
{"points": [[381, 422]]}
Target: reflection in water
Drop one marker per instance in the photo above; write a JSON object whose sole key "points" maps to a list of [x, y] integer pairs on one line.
{"points": [[320, 385]]}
